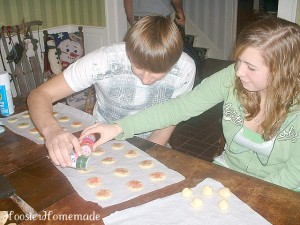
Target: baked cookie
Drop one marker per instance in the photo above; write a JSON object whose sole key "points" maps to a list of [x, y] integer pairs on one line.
{"points": [[33, 131], [109, 160], [135, 185], [224, 192], [117, 146], [76, 124], [146, 164], [12, 120], [94, 182], [26, 115], [121, 172], [104, 194], [187, 192], [158, 176], [207, 190], [23, 125], [98, 151], [131, 153], [63, 119]]}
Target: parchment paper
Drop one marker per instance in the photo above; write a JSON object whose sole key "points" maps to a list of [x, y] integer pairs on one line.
{"points": [[118, 184], [62, 110], [176, 209]]}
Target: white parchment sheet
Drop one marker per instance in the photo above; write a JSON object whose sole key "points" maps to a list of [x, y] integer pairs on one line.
{"points": [[61, 109], [177, 210], [118, 185]]}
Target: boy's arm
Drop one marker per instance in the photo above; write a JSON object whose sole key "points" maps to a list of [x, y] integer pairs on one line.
{"points": [[40, 100], [161, 136]]}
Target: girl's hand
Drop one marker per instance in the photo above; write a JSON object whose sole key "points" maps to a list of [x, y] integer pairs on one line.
{"points": [[107, 132]]}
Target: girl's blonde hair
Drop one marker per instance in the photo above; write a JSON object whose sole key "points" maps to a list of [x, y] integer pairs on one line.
{"points": [[154, 44], [278, 41]]}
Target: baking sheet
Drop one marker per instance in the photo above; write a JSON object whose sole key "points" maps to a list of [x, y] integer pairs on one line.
{"points": [[118, 185], [176, 209], [62, 110]]}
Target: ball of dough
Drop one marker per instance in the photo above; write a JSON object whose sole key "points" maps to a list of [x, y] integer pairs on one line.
{"points": [[207, 190], [98, 151], [12, 120], [117, 146], [135, 185], [146, 164], [26, 115], [94, 181], [63, 119], [187, 192], [223, 205], [90, 169], [23, 125], [104, 194], [76, 124], [33, 131], [197, 202], [121, 172], [131, 153], [224, 192], [54, 113], [158, 176], [109, 160]]}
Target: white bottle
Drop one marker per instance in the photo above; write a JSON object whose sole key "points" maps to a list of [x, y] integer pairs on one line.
{"points": [[6, 101]]}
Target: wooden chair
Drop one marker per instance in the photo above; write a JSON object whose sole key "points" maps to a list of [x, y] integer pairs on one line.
{"points": [[22, 56], [61, 50]]}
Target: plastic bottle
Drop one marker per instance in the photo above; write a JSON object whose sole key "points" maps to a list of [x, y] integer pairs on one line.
{"points": [[6, 100]]}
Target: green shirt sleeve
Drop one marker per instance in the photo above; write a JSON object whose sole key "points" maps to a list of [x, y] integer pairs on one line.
{"points": [[208, 93]]}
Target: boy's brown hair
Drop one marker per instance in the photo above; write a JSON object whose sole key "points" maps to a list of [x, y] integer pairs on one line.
{"points": [[154, 44]]}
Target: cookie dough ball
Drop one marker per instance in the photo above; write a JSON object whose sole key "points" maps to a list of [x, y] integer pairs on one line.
{"points": [[104, 194], [76, 124], [207, 190], [89, 170], [33, 131], [94, 182], [26, 115], [109, 160], [135, 185], [158, 176], [117, 146], [224, 192], [187, 192], [121, 172], [54, 114], [146, 164], [197, 202], [12, 120], [23, 125], [98, 151], [223, 205], [131, 153], [63, 119]]}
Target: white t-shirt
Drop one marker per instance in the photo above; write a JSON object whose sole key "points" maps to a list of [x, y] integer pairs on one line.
{"points": [[118, 91]]}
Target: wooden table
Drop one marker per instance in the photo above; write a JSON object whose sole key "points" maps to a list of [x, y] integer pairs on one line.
{"points": [[27, 167]]}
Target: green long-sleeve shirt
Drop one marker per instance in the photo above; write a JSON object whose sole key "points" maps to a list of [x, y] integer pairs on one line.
{"points": [[280, 166]]}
